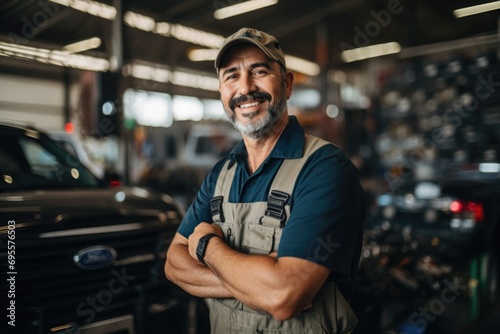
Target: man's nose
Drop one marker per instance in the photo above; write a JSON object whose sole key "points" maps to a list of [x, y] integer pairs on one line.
{"points": [[246, 85]]}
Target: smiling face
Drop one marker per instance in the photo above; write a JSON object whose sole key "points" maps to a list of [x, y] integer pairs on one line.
{"points": [[254, 90]]}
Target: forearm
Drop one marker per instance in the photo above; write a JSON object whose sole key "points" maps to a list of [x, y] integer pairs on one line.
{"points": [[257, 281], [191, 275]]}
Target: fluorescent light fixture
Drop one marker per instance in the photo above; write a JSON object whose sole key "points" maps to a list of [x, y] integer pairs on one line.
{"points": [[473, 10], [87, 44], [159, 73], [90, 7], [202, 54], [147, 72], [54, 57], [139, 21], [243, 7], [177, 31], [371, 51], [302, 65], [195, 80], [196, 36], [162, 28]]}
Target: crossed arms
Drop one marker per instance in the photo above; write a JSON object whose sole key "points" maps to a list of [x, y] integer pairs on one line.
{"points": [[281, 287]]}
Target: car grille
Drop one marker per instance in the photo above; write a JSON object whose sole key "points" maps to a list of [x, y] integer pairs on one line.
{"points": [[51, 291]]}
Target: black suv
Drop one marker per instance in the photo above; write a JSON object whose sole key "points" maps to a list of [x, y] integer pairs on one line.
{"points": [[79, 256]]}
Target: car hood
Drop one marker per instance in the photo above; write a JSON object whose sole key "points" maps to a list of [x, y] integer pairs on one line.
{"points": [[73, 208]]}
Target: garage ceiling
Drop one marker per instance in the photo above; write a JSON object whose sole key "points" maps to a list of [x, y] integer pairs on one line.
{"points": [[298, 24]]}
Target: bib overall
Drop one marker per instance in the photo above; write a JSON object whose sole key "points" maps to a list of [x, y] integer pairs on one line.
{"points": [[256, 228]]}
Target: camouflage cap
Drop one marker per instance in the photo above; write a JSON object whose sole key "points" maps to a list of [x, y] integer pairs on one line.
{"points": [[267, 43]]}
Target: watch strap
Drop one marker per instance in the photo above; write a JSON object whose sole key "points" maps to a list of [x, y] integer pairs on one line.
{"points": [[202, 246]]}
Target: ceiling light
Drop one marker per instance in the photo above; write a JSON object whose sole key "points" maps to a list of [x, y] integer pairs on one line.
{"points": [[159, 73], [196, 36], [302, 65], [139, 21], [473, 10], [202, 54], [147, 72], [195, 80], [90, 7], [177, 31], [54, 57], [370, 52], [243, 7], [87, 44]]}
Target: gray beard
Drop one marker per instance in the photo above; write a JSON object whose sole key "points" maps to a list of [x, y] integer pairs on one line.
{"points": [[263, 127]]}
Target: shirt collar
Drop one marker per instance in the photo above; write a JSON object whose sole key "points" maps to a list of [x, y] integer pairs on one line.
{"points": [[290, 145]]}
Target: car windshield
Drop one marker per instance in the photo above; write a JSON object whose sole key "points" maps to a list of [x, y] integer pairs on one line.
{"points": [[31, 160]]}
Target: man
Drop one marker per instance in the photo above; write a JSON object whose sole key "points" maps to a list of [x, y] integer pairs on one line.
{"points": [[273, 237]]}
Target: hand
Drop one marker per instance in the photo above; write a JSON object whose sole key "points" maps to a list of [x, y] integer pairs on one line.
{"points": [[201, 230]]}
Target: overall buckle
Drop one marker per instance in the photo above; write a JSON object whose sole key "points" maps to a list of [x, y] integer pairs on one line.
{"points": [[216, 207], [276, 206]]}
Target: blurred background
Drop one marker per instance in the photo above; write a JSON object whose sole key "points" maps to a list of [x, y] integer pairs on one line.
{"points": [[408, 89]]}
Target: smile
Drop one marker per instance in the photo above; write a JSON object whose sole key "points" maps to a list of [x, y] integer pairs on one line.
{"points": [[249, 105]]}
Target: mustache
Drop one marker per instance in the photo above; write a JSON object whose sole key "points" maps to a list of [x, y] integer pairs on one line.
{"points": [[252, 96]]}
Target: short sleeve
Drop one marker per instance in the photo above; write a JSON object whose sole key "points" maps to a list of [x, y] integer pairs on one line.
{"points": [[326, 216], [199, 210]]}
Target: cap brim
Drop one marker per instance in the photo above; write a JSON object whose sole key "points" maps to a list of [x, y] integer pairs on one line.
{"points": [[240, 40]]}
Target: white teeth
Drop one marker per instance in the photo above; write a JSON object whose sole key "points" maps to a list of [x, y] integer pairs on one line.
{"points": [[248, 105]]}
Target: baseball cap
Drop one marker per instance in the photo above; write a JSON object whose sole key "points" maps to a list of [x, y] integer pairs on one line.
{"points": [[267, 43]]}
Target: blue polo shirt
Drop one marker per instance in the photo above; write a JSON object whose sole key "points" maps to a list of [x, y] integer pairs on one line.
{"points": [[327, 204]]}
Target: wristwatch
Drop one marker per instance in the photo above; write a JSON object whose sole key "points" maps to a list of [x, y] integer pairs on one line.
{"points": [[202, 246]]}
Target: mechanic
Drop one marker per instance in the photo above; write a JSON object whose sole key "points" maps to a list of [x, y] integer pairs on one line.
{"points": [[273, 237]]}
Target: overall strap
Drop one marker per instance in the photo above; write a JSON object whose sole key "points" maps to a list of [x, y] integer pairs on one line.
{"points": [[284, 182], [280, 191], [222, 188]]}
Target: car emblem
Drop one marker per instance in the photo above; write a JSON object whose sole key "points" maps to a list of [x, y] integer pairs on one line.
{"points": [[95, 257]]}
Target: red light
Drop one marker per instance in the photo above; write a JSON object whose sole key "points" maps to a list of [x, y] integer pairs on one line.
{"points": [[456, 206], [69, 127], [115, 183], [459, 207], [478, 211]]}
